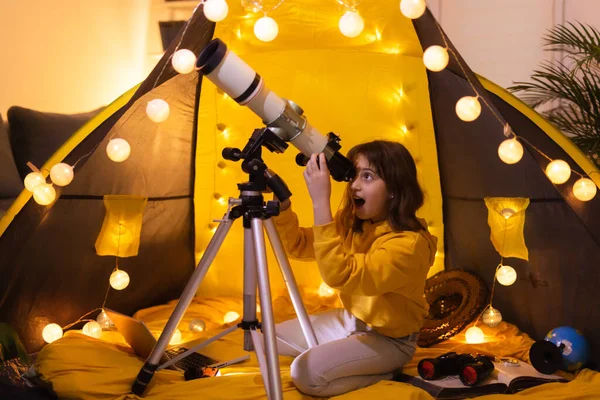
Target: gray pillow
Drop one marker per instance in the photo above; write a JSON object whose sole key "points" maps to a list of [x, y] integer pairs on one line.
{"points": [[10, 181], [35, 136]]}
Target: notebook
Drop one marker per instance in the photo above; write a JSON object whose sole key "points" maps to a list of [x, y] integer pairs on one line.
{"points": [[142, 341]]}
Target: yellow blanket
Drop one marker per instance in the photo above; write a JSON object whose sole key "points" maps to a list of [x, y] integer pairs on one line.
{"points": [[82, 367]]}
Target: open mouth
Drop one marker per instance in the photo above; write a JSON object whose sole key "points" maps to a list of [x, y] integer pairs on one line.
{"points": [[358, 202]]}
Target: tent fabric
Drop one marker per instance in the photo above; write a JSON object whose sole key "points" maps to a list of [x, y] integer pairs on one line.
{"points": [[10, 182]]}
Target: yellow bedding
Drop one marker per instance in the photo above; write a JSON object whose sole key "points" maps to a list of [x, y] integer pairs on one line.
{"points": [[82, 367]]}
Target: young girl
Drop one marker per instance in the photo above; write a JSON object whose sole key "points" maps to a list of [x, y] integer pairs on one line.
{"points": [[376, 253]]}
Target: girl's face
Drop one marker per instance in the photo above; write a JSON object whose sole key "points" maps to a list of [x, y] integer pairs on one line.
{"points": [[369, 192]]}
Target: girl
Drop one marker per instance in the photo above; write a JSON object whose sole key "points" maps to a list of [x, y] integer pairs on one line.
{"points": [[376, 253]]}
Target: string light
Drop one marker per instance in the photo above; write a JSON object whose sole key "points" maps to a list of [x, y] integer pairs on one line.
{"points": [[119, 279], [558, 171], [215, 10], [584, 189], [197, 325], [33, 179], [474, 335], [230, 316], [506, 275], [118, 150], [44, 194], [61, 174], [436, 58], [491, 317], [351, 24], [104, 320], [158, 110], [325, 290], [412, 8], [183, 61], [52, 332], [468, 108], [176, 338], [510, 151], [93, 329], [266, 29]]}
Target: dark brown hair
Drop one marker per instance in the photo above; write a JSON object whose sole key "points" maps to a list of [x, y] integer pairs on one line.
{"points": [[396, 166]]}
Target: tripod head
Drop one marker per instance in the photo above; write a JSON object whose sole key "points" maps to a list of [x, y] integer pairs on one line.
{"points": [[261, 177]]}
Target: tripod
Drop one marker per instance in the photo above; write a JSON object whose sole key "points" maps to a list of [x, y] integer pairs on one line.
{"points": [[251, 206]]}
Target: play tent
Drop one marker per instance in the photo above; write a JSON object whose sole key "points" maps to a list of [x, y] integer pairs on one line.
{"points": [[373, 86]]}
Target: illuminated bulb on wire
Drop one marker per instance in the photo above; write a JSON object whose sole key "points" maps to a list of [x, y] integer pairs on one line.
{"points": [[266, 29], [118, 150], [215, 10], [351, 24], [325, 290], [52, 332], [61, 174], [435, 58], [251, 5], [33, 179], [412, 8], [230, 316], [119, 279], [491, 317], [584, 189], [197, 325], [506, 275], [104, 320], [558, 171], [474, 335], [44, 194], [176, 338], [510, 151], [158, 110], [184, 61], [92, 329], [468, 108]]}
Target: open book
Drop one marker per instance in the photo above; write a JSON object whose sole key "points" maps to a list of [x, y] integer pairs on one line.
{"points": [[504, 379]]}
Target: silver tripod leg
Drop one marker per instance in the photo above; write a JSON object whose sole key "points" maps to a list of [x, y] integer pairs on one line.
{"points": [[147, 371], [250, 286], [290, 282], [268, 323]]}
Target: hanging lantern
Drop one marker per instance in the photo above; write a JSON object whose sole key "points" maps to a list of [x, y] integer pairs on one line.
{"points": [[52, 332], [92, 329], [510, 151], [584, 189], [491, 317], [436, 58], [266, 29], [468, 108], [44, 194], [61, 174], [215, 10], [412, 8], [506, 275], [474, 335], [118, 150], [184, 61], [158, 110], [33, 179], [351, 24], [197, 325], [558, 171], [119, 279]]}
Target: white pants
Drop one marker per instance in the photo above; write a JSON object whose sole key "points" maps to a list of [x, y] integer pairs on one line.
{"points": [[350, 355]]}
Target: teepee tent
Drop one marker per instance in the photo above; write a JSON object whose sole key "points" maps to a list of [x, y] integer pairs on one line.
{"points": [[370, 87]]}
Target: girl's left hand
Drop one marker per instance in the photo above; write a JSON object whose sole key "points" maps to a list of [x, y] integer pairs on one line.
{"points": [[318, 181]]}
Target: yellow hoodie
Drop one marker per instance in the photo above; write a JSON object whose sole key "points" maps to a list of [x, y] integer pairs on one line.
{"points": [[380, 274]]}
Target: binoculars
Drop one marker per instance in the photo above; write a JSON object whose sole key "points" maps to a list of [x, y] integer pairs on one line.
{"points": [[471, 369]]}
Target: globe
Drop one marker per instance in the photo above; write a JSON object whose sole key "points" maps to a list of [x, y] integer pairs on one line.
{"points": [[563, 348]]}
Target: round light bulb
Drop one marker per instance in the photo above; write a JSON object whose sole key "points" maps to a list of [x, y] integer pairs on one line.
{"points": [[176, 338], [118, 150], [325, 290], [491, 317], [215, 10], [584, 189], [266, 29], [251, 5], [33, 179], [506, 275], [61, 174], [558, 171], [104, 320], [435, 58], [158, 110], [412, 8], [92, 329], [468, 108], [351, 24], [119, 279], [197, 325], [230, 316], [474, 335], [510, 151], [44, 194], [52, 332], [184, 61]]}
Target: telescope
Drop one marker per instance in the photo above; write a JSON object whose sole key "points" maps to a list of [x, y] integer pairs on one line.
{"points": [[233, 76]]}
